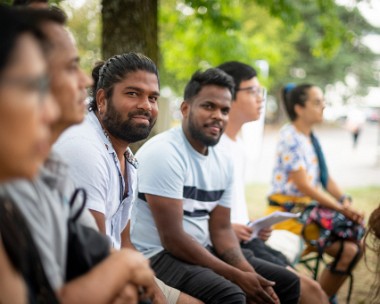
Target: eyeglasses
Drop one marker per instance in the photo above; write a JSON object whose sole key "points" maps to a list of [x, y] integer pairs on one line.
{"points": [[255, 91], [318, 102], [39, 84]]}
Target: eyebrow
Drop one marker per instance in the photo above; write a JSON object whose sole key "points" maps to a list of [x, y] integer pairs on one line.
{"points": [[141, 90]]}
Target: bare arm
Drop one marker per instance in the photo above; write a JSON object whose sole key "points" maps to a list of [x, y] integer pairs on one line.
{"points": [[301, 181], [125, 237], [100, 220], [12, 285], [225, 241], [168, 213], [106, 281]]}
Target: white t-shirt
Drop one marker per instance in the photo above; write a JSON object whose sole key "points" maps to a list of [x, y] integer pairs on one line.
{"points": [[170, 167], [94, 166], [235, 149]]}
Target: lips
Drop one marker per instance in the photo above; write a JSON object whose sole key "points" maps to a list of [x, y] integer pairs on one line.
{"points": [[215, 129], [141, 118]]}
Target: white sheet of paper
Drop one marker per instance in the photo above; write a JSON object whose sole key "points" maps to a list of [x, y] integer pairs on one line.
{"points": [[271, 219]]}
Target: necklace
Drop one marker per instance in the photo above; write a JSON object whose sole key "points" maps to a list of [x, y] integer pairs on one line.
{"points": [[128, 154]]}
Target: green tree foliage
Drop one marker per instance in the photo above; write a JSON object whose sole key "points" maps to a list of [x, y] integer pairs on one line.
{"points": [[202, 34], [85, 24], [302, 40], [350, 57]]}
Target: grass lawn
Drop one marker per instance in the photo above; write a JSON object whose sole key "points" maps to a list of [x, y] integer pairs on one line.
{"points": [[365, 199]]}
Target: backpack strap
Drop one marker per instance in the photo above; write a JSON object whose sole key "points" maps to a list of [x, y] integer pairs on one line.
{"points": [[83, 205]]}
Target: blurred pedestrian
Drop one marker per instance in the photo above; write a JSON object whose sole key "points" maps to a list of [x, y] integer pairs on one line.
{"points": [[355, 123]]}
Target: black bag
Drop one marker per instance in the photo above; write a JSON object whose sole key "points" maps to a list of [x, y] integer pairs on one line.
{"points": [[86, 246]]}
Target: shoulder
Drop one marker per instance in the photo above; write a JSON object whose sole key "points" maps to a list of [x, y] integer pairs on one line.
{"points": [[289, 138], [167, 145]]}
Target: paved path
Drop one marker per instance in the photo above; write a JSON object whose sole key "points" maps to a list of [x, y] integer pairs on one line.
{"points": [[350, 167]]}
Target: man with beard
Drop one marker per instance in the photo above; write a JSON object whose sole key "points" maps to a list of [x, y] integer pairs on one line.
{"points": [[123, 110], [181, 219]]}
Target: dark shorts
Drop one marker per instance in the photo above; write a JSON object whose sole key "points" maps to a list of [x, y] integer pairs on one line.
{"points": [[208, 286]]}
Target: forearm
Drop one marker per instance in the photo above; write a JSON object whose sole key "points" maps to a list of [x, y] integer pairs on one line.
{"points": [[126, 237], [334, 189], [12, 285], [185, 248], [321, 197], [228, 249]]}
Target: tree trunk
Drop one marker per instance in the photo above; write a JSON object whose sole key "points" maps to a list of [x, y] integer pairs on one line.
{"points": [[130, 25]]}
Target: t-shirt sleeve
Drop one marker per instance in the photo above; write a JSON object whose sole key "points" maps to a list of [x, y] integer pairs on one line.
{"points": [[88, 169], [161, 170]]}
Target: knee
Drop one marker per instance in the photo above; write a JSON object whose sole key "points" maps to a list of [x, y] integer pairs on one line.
{"points": [[233, 294], [312, 289], [351, 251]]}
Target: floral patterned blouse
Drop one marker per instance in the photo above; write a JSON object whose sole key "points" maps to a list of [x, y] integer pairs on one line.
{"points": [[294, 152]]}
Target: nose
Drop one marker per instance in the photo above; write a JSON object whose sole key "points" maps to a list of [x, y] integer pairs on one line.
{"points": [[144, 103], [85, 80], [217, 114]]}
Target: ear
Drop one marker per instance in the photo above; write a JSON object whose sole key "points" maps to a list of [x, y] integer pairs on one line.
{"points": [[185, 109], [298, 109], [101, 100]]}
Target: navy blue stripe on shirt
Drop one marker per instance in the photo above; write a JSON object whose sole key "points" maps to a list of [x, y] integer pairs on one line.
{"points": [[141, 196], [196, 213], [202, 195]]}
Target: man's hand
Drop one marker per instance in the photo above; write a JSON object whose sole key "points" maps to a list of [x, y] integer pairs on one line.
{"points": [[129, 295], [140, 272], [258, 289], [243, 232], [265, 233]]}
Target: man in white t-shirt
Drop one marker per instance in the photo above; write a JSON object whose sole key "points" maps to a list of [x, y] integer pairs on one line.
{"points": [[248, 103], [181, 219]]}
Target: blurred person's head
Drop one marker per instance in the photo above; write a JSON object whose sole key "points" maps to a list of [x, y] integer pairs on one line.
{"points": [[205, 109], [304, 102], [32, 3], [124, 96], [249, 95], [26, 108], [68, 82], [372, 241]]}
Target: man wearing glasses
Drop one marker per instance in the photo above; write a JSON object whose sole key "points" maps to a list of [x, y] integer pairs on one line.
{"points": [[247, 106]]}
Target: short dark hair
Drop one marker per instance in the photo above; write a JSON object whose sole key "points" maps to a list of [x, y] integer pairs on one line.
{"points": [[238, 71], [14, 23], [213, 76], [106, 74], [293, 96], [27, 2], [40, 15]]}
